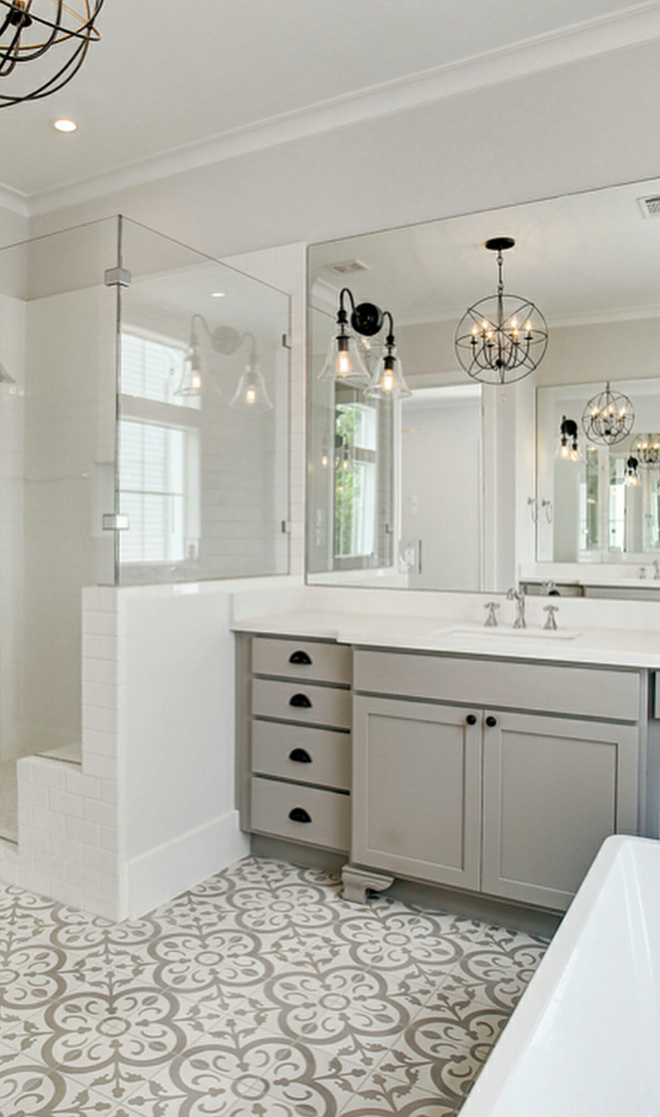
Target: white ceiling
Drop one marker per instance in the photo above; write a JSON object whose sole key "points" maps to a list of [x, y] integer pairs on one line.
{"points": [[582, 257], [171, 75]]}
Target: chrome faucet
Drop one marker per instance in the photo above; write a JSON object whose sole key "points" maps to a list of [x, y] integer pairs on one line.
{"points": [[517, 594]]}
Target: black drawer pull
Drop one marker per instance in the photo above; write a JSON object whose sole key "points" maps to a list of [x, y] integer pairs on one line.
{"points": [[301, 756], [299, 814], [300, 657], [471, 719], [300, 700], [491, 721]]}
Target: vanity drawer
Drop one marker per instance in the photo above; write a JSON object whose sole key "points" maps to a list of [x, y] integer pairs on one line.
{"points": [[300, 702], [327, 813], [320, 756], [580, 691], [328, 663]]}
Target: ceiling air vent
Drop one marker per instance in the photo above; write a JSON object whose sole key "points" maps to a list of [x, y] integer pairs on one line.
{"points": [[650, 207], [348, 267]]}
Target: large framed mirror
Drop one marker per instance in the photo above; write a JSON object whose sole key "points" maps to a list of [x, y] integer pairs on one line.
{"points": [[463, 485]]}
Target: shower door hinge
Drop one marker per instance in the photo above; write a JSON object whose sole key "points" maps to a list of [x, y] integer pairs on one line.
{"points": [[286, 341], [117, 277], [115, 521], [285, 527]]}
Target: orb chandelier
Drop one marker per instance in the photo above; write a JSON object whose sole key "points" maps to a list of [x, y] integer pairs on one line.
{"points": [[501, 338], [608, 417], [28, 30], [646, 447]]}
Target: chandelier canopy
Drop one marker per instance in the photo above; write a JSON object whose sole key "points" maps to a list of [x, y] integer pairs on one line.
{"points": [[501, 338], [28, 31]]}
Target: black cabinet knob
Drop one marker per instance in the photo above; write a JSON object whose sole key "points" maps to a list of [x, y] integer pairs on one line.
{"points": [[301, 756], [301, 701], [491, 721], [300, 657], [299, 814], [471, 719]]}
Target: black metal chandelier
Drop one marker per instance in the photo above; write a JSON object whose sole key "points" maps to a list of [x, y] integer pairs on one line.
{"points": [[501, 338], [646, 447], [608, 418], [29, 29]]}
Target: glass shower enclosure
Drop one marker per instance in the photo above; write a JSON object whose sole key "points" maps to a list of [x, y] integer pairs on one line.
{"points": [[144, 393]]}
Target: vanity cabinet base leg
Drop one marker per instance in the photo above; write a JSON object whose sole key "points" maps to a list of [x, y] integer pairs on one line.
{"points": [[357, 882]]}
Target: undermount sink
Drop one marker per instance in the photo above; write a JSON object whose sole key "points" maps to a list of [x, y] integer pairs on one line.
{"points": [[503, 633]]}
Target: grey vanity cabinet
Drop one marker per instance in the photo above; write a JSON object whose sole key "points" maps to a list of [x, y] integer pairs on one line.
{"points": [[502, 801], [553, 790], [297, 782], [417, 790]]}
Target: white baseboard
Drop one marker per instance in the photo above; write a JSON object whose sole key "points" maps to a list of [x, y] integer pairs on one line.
{"points": [[159, 875]]}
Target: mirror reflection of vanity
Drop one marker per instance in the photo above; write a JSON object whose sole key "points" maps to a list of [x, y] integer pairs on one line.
{"points": [[463, 485]]}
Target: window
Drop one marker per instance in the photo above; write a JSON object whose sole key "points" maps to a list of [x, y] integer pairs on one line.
{"points": [[159, 455], [356, 434]]}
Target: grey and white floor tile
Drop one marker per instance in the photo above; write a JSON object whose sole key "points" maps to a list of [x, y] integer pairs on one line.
{"points": [[258, 993]]}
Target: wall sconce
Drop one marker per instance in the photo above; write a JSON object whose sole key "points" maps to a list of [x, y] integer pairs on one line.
{"points": [[608, 417], [345, 361], [251, 393], [497, 340], [224, 339], [569, 448]]}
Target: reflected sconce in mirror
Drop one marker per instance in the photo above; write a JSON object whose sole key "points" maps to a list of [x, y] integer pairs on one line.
{"points": [[569, 448], [251, 393], [608, 418], [224, 339], [502, 338], [646, 448], [632, 471]]}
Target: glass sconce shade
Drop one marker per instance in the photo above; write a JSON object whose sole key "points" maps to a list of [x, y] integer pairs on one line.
{"points": [[502, 338], [388, 381], [191, 382], [251, 393], [345, 361], [608, 418]]}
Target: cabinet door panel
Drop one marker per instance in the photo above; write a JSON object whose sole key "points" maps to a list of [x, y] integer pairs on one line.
{"points": [[416, 798], [554, 789]]}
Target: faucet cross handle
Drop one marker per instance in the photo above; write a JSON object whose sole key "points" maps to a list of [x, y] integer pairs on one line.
{"points": [[491, 618], [551, 621]]}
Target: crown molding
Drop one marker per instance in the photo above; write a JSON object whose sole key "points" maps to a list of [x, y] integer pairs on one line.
{"points": [[635, 25], [14, 200]]}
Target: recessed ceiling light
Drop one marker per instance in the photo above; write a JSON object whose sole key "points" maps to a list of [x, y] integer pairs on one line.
{"points": [[64, 124], [217, 294]]}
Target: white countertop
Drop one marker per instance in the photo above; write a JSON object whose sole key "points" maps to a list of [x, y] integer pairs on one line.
{"points": [[601, 646]]}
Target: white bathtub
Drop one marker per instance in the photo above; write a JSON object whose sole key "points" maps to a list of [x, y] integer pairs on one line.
{"points": [[585, 1039]]}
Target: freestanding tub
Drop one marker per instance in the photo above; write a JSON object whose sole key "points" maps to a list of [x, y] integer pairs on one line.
{"points": [[585, 1039]]}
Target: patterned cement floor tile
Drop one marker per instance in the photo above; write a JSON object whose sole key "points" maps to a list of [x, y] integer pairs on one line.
{"points": [[259, 993], [383, 1095]]}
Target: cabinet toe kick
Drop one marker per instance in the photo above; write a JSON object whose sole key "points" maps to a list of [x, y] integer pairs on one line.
{"points": [[357, 882]]}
